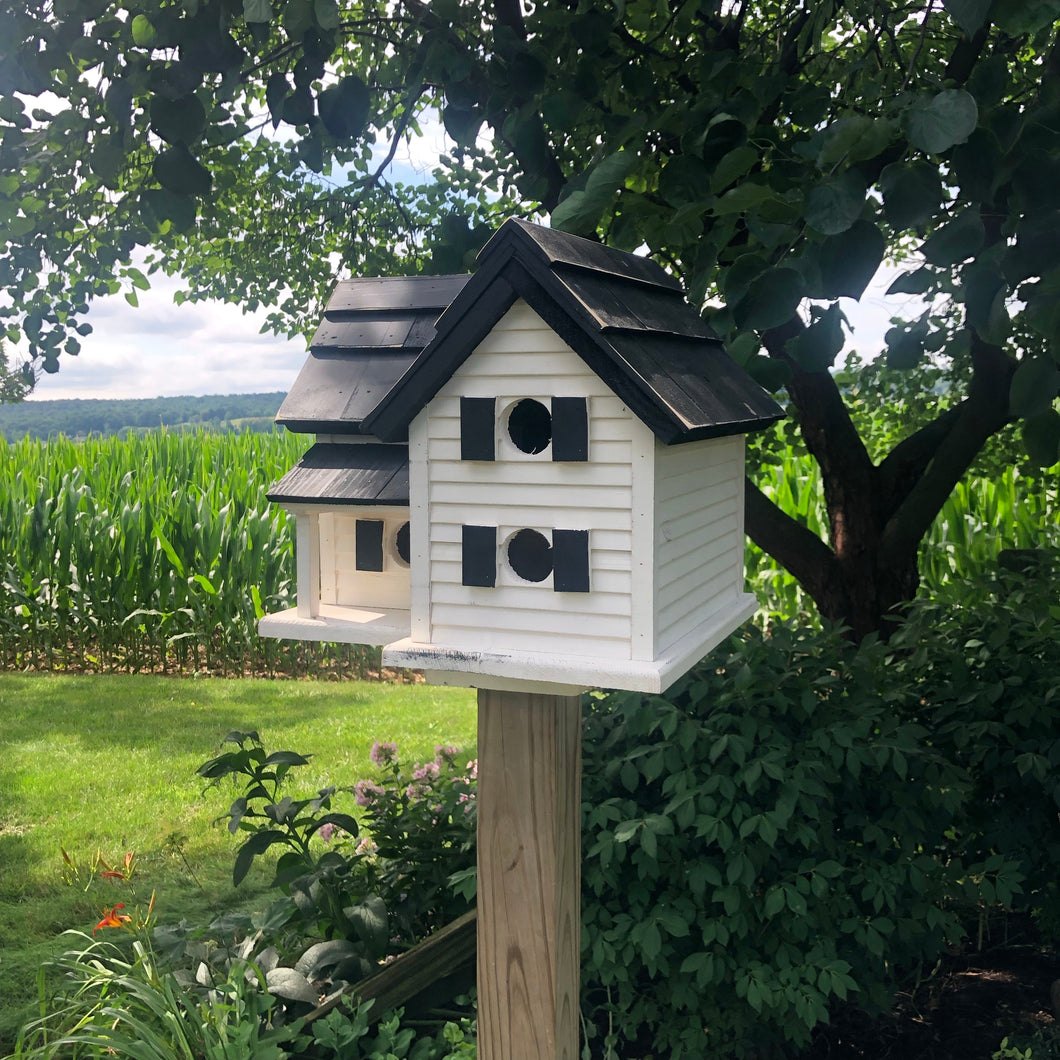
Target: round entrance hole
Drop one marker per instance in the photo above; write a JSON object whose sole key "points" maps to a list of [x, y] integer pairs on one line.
{"points": [[530, 555], [401, 543], [530, 426]]}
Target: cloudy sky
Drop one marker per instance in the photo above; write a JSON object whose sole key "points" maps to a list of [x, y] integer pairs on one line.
{"points": [[162, 349]]}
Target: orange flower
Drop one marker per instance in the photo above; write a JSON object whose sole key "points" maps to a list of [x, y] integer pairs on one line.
{"points": [[112, 918]]}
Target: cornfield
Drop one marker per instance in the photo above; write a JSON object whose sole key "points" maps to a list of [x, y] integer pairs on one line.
{"points": [[150, 552], [160, 552]]}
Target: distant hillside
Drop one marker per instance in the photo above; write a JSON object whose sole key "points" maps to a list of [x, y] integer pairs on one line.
{"points": [[80, 417]]}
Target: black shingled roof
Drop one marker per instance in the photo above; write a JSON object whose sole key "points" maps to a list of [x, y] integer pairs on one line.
{"points": [[347, 473], [624, 316], [372, 332]]}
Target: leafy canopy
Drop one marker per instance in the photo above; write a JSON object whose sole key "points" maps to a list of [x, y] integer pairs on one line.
{"points": [[772, 153]]}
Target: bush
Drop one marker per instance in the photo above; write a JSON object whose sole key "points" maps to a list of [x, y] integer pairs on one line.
{"points": [[985, 658], [768, 839]]}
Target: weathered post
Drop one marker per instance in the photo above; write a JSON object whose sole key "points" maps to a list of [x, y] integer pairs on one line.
{"points": [[529, 875]]}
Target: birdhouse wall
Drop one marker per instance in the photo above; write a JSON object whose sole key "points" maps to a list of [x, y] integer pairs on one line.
{"points": [[360, 560], [698, 534], [520, 359]]}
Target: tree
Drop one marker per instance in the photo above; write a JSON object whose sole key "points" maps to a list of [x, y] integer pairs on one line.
{"points": [[772, 153]]}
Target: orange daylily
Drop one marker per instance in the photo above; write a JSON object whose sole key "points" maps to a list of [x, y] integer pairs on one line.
{"points": [[124, 873], [112, 918]]}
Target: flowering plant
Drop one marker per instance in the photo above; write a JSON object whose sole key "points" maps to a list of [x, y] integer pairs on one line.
{"points": [[422, 828]]}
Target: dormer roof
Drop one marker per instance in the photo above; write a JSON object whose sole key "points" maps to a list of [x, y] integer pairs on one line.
{"points": [[372, 332], [621, 313]]}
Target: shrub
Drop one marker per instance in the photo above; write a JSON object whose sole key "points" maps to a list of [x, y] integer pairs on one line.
{"points": [[762, 843], [985, 658]]}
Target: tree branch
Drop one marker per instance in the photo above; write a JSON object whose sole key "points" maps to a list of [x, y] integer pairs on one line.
{"points": [[793, 545], [983, 413]]}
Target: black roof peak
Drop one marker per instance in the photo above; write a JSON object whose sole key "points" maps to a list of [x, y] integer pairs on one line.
{"points": [[623, 314]]}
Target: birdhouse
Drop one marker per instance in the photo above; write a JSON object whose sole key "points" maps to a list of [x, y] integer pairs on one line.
{"points": [[529, 477]]}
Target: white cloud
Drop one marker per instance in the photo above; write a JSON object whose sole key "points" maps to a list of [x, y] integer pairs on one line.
{"points": [[162, 349]]}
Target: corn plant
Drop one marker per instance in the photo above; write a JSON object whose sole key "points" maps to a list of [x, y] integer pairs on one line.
{"points": [[147, 552]]}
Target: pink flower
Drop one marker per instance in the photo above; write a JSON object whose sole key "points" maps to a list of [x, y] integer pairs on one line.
{"points": [[430, 771], [383, 754], [444, 754], [365, 792], [326, 831]]}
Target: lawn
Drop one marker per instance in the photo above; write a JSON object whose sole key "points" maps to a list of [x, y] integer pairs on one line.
{"points": [[106, 764]]}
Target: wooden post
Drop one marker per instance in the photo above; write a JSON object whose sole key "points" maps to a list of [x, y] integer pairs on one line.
{"points": [[529, 875]]}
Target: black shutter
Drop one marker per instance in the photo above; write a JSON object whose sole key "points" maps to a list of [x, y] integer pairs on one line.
{"points": [[479, 556], [477, 419], [369, 544], [570, 429], [570, 561]]}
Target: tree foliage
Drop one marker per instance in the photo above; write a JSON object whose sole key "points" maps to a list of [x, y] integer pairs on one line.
{"points": [[772, 153]]}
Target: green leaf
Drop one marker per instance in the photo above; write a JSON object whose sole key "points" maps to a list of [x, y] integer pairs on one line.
{"points": [[743, 197], [817, 346], [984, 301], [771, 300], [955, 241], [291, 985], [257, 10], [847, 262], [912, 193], [258, 843], [853, 138], [462, 124], [918, 281], [178, 120], [684, 180], [324, 955], [179, 210], [177, 170], [968, 14], [1041, 436], [732, 166], [326, 13], [527, 74], [1028, 16], [143, 32], [905, 345], [775, 902], [832, 207], [370, 920], [581, 211], [1034, 387], [286, 758], [1034, 252], [298, 107], [299, 18], [276, 91], [343, 108], [935, 125]]}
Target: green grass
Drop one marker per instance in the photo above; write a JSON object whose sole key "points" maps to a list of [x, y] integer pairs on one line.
{"points": [[107, 763]]}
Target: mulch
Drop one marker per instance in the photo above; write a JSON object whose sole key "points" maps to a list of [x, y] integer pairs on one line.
{"points": [[973, 1000]]}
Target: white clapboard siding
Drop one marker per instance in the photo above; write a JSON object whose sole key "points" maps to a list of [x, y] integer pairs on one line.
{"points": [[523, 358], [342, 583], [698, 533]]}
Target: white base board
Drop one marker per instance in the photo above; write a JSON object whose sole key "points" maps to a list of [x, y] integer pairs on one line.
{"points": [[514, 669], [340, 625]]}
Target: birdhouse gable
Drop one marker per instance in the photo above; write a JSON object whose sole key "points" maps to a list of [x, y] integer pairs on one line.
{"points": [[621, 314]]}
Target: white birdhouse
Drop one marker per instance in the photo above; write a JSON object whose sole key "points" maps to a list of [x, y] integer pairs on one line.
{"points": [[527, 478]]}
